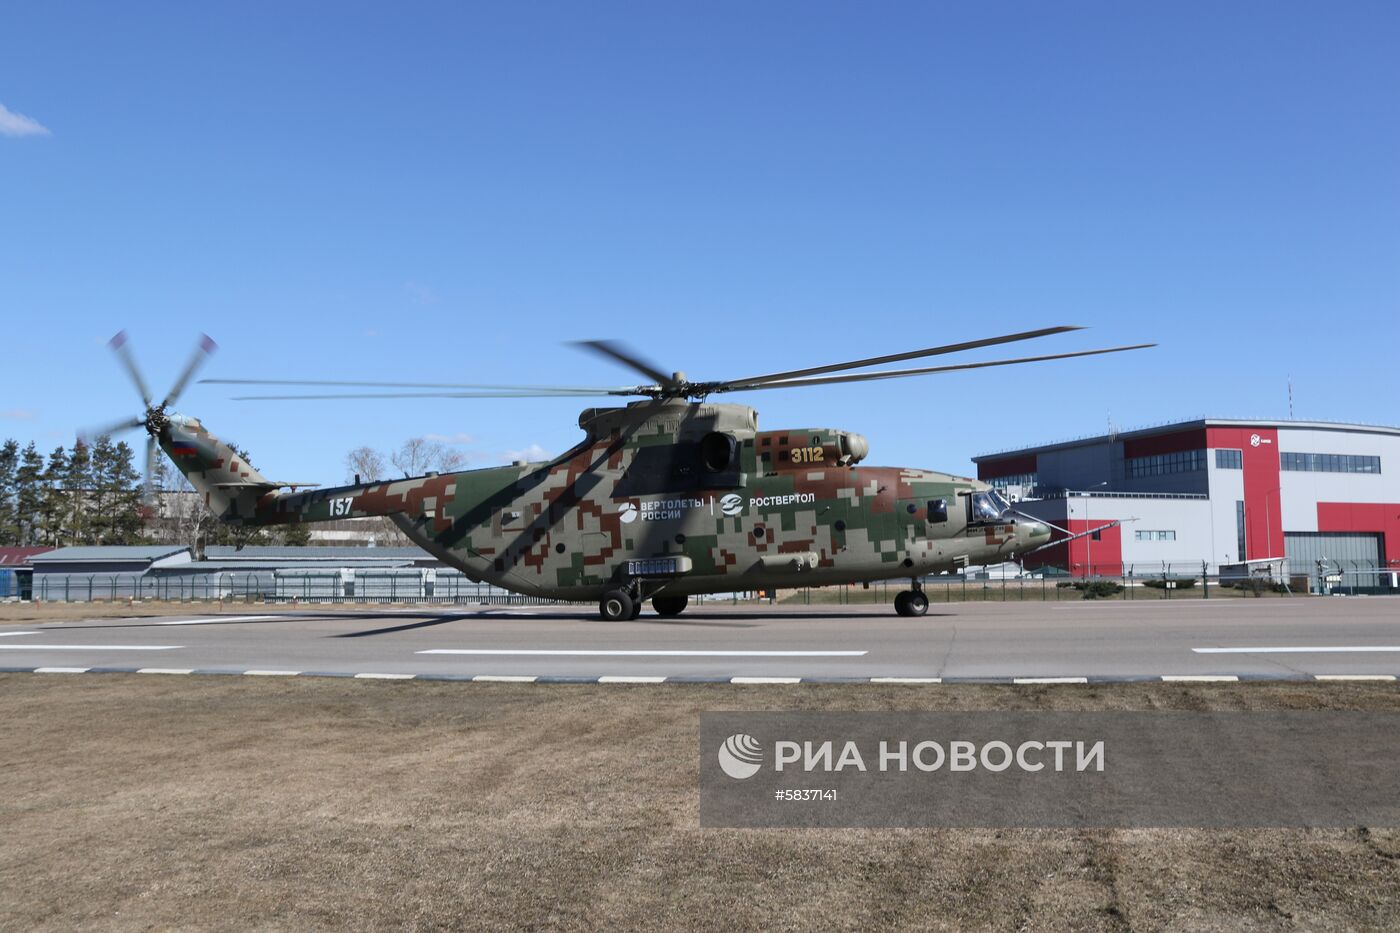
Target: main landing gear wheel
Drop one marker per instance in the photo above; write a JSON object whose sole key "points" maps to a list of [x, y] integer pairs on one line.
{"points": [[669, 605], [616, 606], [637, 606], [911, 603]]}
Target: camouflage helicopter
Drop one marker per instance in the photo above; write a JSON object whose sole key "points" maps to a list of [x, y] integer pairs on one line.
{"points": [[665, 497]]}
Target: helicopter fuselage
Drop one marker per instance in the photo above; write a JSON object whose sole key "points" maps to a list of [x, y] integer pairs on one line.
{"points": [[663, 497]]}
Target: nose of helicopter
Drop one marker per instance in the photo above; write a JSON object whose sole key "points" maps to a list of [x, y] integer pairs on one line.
{"points": [[1033, 533]]}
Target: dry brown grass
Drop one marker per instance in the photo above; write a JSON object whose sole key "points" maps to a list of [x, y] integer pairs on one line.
{"points": [[135, 802]]}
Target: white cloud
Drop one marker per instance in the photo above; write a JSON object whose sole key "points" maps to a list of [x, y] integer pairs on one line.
{"points": [[458, 438], [17, 414], [534, 453], [17, 124]]}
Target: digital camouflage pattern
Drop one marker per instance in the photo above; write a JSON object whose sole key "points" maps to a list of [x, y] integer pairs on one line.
{"points": [[665, 495]]}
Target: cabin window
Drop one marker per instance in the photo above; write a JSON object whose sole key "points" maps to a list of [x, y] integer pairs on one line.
{"points": [[937, 510], [986, 507]]}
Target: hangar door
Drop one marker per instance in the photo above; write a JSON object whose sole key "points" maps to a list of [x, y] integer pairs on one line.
{"points": [[1344, 551]]}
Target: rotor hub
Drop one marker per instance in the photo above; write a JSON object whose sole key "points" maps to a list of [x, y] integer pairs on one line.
{"points": [[156, 420]]}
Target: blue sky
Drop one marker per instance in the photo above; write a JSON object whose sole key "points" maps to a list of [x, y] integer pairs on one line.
{"points": [[451, 192]]}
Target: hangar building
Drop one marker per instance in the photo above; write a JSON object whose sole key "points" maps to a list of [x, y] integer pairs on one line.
{"points": [[1310, 497]]}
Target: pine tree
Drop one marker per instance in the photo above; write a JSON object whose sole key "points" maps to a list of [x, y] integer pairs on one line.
{"points": [[98, 501], [9, 508], [54, 506], [77, 483], [125, 491], [29, 494]]}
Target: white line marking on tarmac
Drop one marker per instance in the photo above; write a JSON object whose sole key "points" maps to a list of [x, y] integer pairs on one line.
{"points": [[1355, 677], [165, 670], [9, 634], [217, 620], [384, 676], [61, 670], [1199, 678], [89, 647], [1322, 649], [649, 653], [906, 680], [630, 680], [502, 679], [1050, 680], [272, 673], [1182, 603], [765, 680]]}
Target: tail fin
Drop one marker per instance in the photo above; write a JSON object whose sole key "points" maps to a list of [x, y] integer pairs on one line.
{"points": [[224, 478]]}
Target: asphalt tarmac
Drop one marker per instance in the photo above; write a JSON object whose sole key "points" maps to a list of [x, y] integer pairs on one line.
{"points": [[1292, 639]]}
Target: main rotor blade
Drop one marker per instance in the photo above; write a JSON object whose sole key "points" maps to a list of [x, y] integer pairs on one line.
{"points": [[353, 395], [629, 358], [898, 357], [202, 351], [598, 390], [110, 430], [928, 370], [119, 347]]}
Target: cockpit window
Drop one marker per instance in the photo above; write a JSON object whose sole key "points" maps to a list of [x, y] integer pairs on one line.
{"points": [[987, 506]]}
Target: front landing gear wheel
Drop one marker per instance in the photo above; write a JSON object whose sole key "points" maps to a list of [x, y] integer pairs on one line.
{"points": [[911, 603], [669, 605], [616, 606]]}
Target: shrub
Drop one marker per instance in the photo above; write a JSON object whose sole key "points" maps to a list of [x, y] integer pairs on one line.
{"points": [[1093, 589], [1182, 583]]}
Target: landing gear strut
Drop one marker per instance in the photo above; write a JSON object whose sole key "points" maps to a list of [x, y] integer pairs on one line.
{"points": [[911, 602]]}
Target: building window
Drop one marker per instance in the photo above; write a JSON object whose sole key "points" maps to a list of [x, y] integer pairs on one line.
{"points": [[1229, 459], [1024, 480], [1155, 535], [1239, 530], [1329, 463], [1184, 461]]}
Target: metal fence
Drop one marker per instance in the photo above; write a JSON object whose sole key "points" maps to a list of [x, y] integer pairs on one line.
{"points": [[419, 585], [321, 586]]}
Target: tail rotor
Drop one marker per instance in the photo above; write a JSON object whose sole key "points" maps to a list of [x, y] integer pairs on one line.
{"points": [[154, 418]]}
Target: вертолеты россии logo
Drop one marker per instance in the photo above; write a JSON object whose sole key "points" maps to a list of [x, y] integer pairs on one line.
{"points": [[740, 756]]}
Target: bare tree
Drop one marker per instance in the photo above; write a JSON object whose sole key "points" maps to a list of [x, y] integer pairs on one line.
{"points": [[418, 455], [366, 463]]}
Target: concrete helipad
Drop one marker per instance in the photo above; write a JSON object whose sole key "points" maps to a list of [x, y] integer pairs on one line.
{"points": [[1317, 638]]}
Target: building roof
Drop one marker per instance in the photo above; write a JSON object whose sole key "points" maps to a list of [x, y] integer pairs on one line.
{"points": [[19, 556], [109, 553], [271, 564], [1190, 424], [338, 555]]}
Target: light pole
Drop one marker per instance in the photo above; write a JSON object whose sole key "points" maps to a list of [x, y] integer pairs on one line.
{"points": [[1089, 537]]}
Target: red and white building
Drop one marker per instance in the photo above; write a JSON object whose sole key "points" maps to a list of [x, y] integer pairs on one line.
{"points": [[1323, 497]]}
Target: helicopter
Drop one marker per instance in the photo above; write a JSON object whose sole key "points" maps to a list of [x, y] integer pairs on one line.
{"points": [[667, 496]]}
